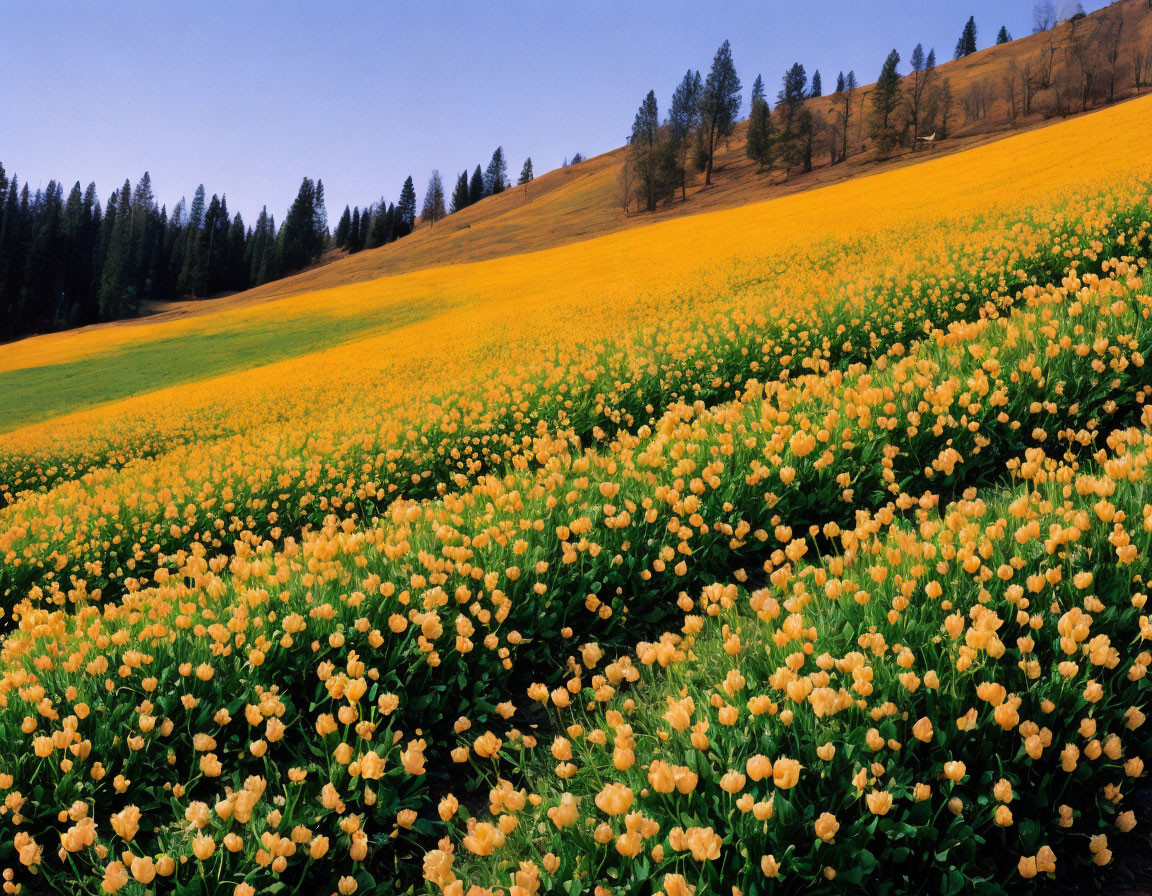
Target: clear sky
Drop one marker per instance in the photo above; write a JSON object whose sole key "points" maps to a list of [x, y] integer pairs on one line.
{"points": [[249, 96]]}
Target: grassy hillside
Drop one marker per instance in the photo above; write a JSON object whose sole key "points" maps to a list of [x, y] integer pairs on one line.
{"points": [[521, 296], [580, 202], [801, 547]]}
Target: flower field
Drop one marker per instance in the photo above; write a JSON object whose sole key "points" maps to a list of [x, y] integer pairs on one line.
{"points": [[786, 554]]}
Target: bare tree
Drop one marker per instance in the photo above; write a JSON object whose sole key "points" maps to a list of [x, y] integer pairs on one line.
{"points": [[1043, 16], [1012, 91], [1141, 68], [1029, 86], [1112, 27], [1083, 58], [1046, 64], [976, 100]]}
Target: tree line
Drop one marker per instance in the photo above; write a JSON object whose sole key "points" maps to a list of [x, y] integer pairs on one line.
{"points": [[67, 261], [1096, 60], [70, 260], [382, 222]]}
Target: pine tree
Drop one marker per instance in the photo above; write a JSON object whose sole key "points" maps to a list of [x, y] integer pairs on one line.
{"points": [[320, 220], [719, 106], [642, 153], [301, 240], [192, 273], [114, 285], [526, 174], [757, 90], [496, 175], [966, 45], [1004, 36], [846, 96], [460, 199], [684, 121], [433, 209], [759, 144], [790, 100], [406, 209], [340, 238], [236, 275], [354, 232], [817, 85], [476, 186], [885, 99], [922, 71]]}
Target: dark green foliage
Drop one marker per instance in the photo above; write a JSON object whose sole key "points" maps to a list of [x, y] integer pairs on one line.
{"points": [[646, 176], [302, 238], [67, 261], [757, 90], [966, 45], [406, 209], [476, 186], [791, 138], [683, 122], [460, 197], [1003, 36], [817, 85], [433, 209], [340, 237], [758, 146], [719, 106], [885, 100], [354, 244], [526, 175], [496, 175]]}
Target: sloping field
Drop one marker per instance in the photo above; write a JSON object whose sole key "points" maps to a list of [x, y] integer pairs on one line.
{"points": [[863, 470], [559, 208]]}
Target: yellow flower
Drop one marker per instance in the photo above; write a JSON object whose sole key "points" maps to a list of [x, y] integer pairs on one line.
{"points": [[879, 802], [126, 822], [827, 826]]}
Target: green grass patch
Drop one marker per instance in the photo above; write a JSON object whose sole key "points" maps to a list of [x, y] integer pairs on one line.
{"points": [[35, 394]]}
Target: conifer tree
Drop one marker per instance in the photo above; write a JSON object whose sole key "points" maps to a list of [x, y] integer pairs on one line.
{"points": [[354, 232], [757, 90], [684, 121], [923, 69], [526, 175], [846, 96], [642, 152], [1003, 36], [885, 100], [476, 186], [496, 175], [759, 144], [817, 85], [433, 209], [966, 45], [460, 198], [790, 100], [406, 209], [340, 237], [719, 106]]}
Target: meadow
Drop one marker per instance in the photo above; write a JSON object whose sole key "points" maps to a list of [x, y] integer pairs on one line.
{"points": [[799, 547]]}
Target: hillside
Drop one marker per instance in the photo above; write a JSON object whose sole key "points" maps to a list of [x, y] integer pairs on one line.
{"points": [[405, 313], [804, 542], [582, 201], [792, 541], [575, 203]]}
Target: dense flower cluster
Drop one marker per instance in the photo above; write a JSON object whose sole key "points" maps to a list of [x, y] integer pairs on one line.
{"points": [[259, 656]]}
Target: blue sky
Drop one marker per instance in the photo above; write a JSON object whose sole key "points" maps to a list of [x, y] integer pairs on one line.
{"points": [[250, 96]]}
